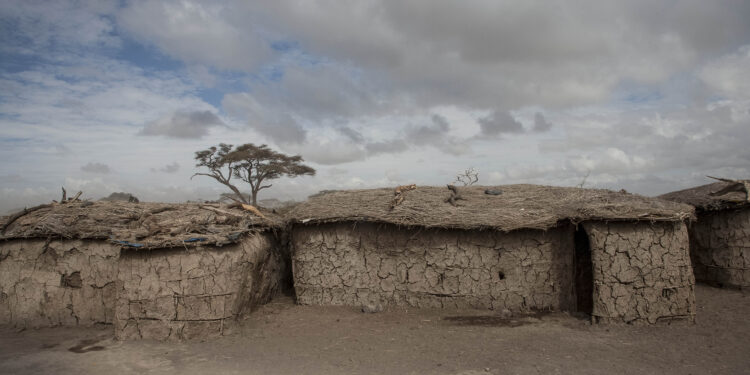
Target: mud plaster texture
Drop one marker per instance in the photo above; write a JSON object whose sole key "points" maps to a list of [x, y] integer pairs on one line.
{"points": [[178, 294], [641, 271], [720, 247], [57, 282], [379, 265]]}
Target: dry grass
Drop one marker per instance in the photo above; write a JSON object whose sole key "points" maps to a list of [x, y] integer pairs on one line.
{"points": [[700, 197], [519, 206], [150, 225]]}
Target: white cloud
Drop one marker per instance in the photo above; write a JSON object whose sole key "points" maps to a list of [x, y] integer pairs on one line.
{"points": [[183, 124], [97, 168], [648, 96], [730, 74], [198, 32], [169, 168]]}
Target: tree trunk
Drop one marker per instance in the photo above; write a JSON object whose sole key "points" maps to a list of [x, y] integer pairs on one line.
{"points": [[237, 193], [255, 198]]}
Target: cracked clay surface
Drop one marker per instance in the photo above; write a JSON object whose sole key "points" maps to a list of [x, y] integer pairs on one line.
{"points": [[155, 294], [55, 283], [178, 294], [720, 247], [371, 264], [642, 272]]}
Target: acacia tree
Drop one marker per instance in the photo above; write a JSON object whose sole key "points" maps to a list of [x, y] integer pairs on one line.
{"points": [[219, 168], [253, 164]]}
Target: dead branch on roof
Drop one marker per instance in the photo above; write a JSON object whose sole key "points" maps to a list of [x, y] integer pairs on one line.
{"points": [[468, 177], [65, 198], [219, 211], [400, 193], [19, 214], [742, 186], [252, 209], [455, 196], [75, 198]]}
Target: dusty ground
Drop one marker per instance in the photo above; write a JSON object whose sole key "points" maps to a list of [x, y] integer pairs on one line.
{"points": [[283, 338]]}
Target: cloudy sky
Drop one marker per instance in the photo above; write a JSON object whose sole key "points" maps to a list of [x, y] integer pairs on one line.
{"points": [[103, 96]]}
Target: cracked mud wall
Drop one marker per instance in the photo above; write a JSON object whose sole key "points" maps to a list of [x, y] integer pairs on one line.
{"points": [[365, 263], [57, 282], [642, 272], [196, 293], [720, 247]]}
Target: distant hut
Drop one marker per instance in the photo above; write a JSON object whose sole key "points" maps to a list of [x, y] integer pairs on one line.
{"points": [[617, 256], [153, 270], [720, 239]]}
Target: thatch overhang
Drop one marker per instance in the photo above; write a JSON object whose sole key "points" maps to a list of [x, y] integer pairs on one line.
{"points": [[517, 207], [700, 197], [139, 225]]}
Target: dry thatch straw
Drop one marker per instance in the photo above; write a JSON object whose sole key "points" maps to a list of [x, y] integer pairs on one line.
{"points": [[519, 206], [139, 225], [700, 197]]}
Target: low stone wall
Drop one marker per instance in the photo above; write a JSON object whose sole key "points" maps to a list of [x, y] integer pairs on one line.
{"points": [[641, 272], [57, 282], [379, 264], [720, 247], [179, 293]]}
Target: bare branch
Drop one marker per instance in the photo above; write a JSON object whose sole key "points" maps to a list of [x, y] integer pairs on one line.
{"points": [[78, 195], [583, 182], [468, 177], [19, 214]]}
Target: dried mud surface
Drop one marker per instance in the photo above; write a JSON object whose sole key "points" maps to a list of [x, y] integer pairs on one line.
{"points": [[283, 338], [159, 294], [380, 265], [178, 294], [720, 247], [642, 272], [53, 283]]}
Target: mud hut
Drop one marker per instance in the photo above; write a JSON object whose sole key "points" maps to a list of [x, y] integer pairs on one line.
{"points": [[617, 256], [154, 270], [720, 238]]}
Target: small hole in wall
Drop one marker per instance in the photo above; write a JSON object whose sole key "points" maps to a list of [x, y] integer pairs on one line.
{"points": [[501, 275], [71, 281]]}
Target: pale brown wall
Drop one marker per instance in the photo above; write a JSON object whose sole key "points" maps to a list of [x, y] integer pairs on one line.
{"points": [[346, 264], [34, 291], [720, 247], [642, 272], [175, 294]]}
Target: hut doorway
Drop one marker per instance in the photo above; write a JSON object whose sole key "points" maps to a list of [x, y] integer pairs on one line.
{"points": [[584, 277]]}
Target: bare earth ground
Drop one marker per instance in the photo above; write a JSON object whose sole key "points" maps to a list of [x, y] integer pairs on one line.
{"points": [[282, 338]]}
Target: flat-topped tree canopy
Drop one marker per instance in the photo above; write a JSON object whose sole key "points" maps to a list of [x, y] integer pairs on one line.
{"points": [[702, 199], [139, 225], [517, 207]]}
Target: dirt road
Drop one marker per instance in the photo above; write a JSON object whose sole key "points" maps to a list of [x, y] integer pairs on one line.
{"points": [[283, 338]]}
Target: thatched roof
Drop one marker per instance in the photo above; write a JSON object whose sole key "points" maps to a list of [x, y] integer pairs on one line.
{"points": [[138, 225], [519, 206], [700, 197]]}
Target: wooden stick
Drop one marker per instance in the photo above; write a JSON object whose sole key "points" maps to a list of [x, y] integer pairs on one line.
{"points": [[252, 209], [76, 197], [219, 211], [19, 214]]}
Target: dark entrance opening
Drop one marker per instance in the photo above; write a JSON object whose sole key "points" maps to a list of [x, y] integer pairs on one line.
{"points": [[584, 276]]}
